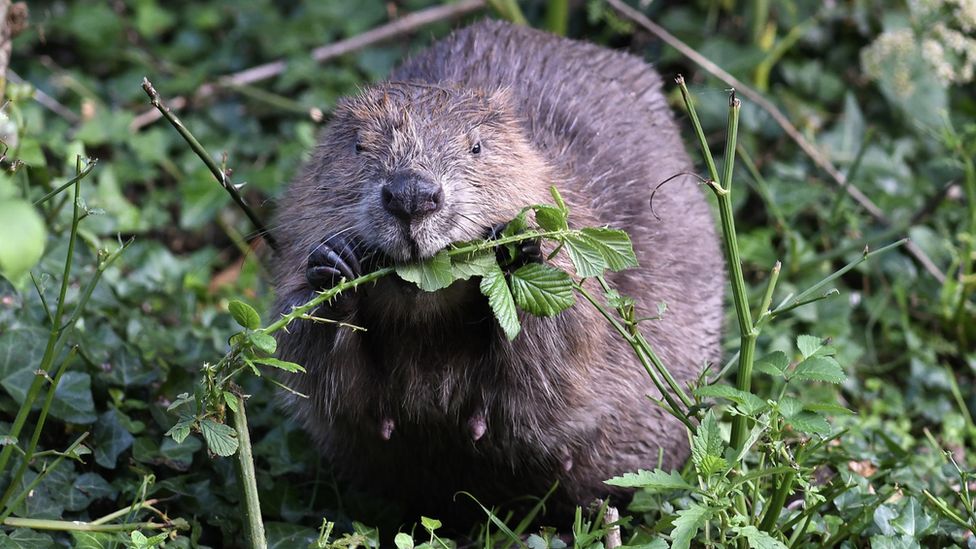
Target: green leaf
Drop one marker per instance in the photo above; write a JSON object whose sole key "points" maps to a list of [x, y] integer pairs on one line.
{"points": [[93, 540], [748, 402], [465, 266], [22, 538], [430, 524], [430, 274], [808, 345], [110, 439], [281, 364], [810, 423], [654, 481], [23, 242], [774, 364], [828, 408], [263, 341], [614, 245], [586, 257], [819, 369], [73, 401], [500, 300], [789, 406], [221, 439], [245, 315], [542, 290], [757, 539], [550, 218], [181, 429], [706, 443], [687, 524], [403, 541], [913, 520]]}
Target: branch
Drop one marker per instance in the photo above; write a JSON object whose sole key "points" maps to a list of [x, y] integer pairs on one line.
{"points": [[838, 178], [406, 24]]}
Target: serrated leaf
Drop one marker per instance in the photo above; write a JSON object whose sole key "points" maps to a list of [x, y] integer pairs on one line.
{"points": [[774, 364], [789, 406], [810, 423], [429, 275], [614, 245], [500, 299], [808, 345], [586, 257], [819, 369], [550, 218], [706, 442], [244, 315], [687, 524], [757, 539], [465, 266], [281, 364], [542, 290], [221, 439], [264, 342], [654, 481], [749, 402], [828, 408], [231, 400], [181, 429], [711, 465]]}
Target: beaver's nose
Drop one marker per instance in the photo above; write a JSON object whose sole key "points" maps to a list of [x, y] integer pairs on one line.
{"points": [[410, 195]]}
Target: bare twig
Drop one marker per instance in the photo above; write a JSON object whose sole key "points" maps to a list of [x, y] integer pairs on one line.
{"points": [[406, 24], [219, 174], [788, 127]]}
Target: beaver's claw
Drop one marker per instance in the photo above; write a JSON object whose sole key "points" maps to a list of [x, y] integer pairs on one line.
{"points": [[330, 261], [527, 251]]}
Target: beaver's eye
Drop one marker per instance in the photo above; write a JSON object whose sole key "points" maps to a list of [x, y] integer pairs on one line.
{"points": [[359, 147], [477, 148]]}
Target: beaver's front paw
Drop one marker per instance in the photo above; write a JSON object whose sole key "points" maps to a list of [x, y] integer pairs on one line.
{"points": [[526, 251], [330, 261]]}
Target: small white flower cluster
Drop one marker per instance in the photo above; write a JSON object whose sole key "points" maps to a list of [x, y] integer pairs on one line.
{"points": [[943, 35]]}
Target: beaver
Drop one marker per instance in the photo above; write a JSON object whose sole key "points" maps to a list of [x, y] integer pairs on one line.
{"points": [[431, 398]]}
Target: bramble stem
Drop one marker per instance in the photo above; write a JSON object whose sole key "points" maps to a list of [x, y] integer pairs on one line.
{"points": [[245, 471], [220, 175]]}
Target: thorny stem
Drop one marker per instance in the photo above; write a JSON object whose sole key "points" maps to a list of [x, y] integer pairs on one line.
{"points": [[220, 175], [248, 479]]}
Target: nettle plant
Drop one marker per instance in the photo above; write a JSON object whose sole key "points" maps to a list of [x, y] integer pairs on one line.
{"points": [[736, 486]]}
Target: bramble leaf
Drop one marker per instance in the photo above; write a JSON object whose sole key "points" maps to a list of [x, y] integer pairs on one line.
{"points": [[221, 439], [542, 290], [586, 257], [550, 218], [244, 315], [774, 364], [808, 345], [819, 369], [430, 274], [614, 245], [810, 423], [749, 402], [494, 287], [280, 364], [263, 341], [465, 266]]}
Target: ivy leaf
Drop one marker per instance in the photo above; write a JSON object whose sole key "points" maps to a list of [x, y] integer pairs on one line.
{"points": [[614, 245], [810, 423], [913, 520], [654, 481], [500, 300], [757, 539], [430, 274], [687, 524], [281, 364], [550, 218], [403, 541], [542, 290], [774, 364], [221, 439], [465, 266], [244, 315], [73, 400], [819, 369], [430, 524], [808, 345], [586, 257], [110, 439], [264, 342]]}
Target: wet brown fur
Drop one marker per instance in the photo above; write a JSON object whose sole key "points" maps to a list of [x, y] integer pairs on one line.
{"points": [[566, 400]]}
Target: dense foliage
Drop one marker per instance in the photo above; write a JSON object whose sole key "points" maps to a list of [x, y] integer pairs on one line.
{"points": [[162, 261]]}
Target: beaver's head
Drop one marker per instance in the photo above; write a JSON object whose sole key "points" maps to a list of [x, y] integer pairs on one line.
{"points": [[407, 168]]}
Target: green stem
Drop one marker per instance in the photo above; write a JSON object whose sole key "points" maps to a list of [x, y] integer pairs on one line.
{"points": [[557, 16], [775, 507], [148, 504], [78, 177], [245, 470], [75, 526], [49, 354], [40, 476]]}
